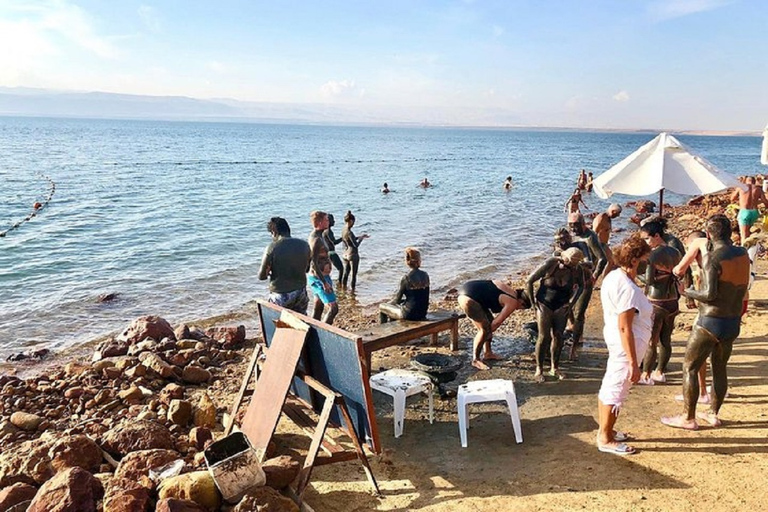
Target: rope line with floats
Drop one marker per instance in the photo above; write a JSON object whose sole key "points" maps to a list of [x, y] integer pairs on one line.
{"points": [[37, 207]]}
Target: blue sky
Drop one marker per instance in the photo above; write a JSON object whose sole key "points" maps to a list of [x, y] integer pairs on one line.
{"points": [[678, 64]]}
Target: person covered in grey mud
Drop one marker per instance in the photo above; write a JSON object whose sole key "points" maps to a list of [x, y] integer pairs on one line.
{"points": [[661, 288], [318, 278], [411, 301], [561, 281], [725, 279], [331, 242], [586, 240], [480, 299], [351, 253], [285, 264]]}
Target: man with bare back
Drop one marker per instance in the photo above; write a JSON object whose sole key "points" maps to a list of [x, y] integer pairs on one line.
{"points": [[748, 201]]}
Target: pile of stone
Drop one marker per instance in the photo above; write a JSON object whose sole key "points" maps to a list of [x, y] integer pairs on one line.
{"points": [[99, 436]]}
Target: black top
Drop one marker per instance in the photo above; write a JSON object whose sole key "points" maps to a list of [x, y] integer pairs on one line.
{"points": [[485, 293], [285, 262], [414, 295]]}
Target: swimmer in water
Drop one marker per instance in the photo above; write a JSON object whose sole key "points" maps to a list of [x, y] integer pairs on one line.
{"points": [[385, 189], [425, 183], [508, 184]]}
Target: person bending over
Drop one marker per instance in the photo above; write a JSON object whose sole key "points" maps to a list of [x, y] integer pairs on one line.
{"points": [[411, 301], [479, 300]]}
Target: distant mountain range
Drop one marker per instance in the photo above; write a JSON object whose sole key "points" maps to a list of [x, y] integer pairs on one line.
{"points": [[22, 101]]}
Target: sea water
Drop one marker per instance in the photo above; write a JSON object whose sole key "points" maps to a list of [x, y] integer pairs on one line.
{"points": [[171, 216]]}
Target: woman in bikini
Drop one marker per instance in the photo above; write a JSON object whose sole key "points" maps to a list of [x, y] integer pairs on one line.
{"points": [[479, 300], [561, 282]]}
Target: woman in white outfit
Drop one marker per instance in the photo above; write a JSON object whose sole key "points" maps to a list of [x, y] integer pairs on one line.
{"points": [[628, 319]]}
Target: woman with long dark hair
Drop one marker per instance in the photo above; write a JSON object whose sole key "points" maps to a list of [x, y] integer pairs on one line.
{"points": [[351, 254]]}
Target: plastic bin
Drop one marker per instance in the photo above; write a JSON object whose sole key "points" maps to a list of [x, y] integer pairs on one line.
{"points": [[234, 466]]}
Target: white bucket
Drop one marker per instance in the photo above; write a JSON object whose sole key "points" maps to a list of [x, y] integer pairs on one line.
{"points": [[234, 466]]}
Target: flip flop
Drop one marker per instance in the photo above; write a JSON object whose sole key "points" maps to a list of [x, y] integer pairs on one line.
{"points": [[619, 449]]}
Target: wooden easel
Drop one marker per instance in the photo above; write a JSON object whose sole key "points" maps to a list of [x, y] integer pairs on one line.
{"points": [[295, 409]]}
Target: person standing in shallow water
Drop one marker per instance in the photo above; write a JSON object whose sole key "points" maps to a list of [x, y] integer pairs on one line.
{"points": [[351, 254], [724, 284], [319, 266], [479, 300], [285, 263], [572, 204], [331, 241], [411, 301]]}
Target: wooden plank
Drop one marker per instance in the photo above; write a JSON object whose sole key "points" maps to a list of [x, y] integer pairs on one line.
{"points": [[273, 384], [244, 388]]}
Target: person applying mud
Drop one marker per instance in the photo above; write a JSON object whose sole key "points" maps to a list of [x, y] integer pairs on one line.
{"points": [[560, 284], [321, 287], [331, 241], [662, 290], [285, 263], [724, 285], [748, 201], [351, 254], [586, 240], [412, 298], [479, 300]]}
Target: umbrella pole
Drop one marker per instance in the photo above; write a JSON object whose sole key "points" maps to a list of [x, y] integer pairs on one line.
{"points": [[661, 202]]}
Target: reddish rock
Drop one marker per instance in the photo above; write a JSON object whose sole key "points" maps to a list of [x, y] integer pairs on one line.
{"points": [[75, 451], [174, 505], [126, 495], [199, 437], [137, 464], [228, 337], [130, 436], [156, 364], [171, 392], [145, 327], [72, 490], [181, 332], [27, 462], [15, 494], [265, 499], [180, 412], [281, 471], [26, 421], [195, 375]]}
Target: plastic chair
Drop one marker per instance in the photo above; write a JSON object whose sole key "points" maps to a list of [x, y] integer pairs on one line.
{"points": [[487, 391], [400, 384]]}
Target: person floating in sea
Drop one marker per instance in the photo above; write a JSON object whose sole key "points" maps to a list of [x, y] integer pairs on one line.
{"points": [[285, 263], [508, 184], [590, 182], [479, 300], [661, 288], [561, 281], [572, 204], [581, 182], [411, 301], [425, 183], [331, 241], [724, 285], [385, 188], [351, 254], [321, 287], [748, 201]]}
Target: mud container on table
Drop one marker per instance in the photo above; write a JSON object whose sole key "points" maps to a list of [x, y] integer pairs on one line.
{"points": [[234, 466]]}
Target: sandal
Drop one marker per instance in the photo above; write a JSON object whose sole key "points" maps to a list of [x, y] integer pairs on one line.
{"points": [[619, 449]]}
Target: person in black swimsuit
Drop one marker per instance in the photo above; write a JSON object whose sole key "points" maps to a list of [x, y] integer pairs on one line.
{"points": [[661, 290], [561, 282], [331, 241], [412, 298], [479, 300], [724, 284], [351, 254]]}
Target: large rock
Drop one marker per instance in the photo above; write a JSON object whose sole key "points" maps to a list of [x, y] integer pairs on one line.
{"points": [[171, 392], [205, 412], [280, 471], [126, 495], [194, 374], [155, 363], [72, 490], [75, 451], [27, 462], [136, 465], [197, 486], [146, 327], [26, 421], [130, 436], [15, 494], [174, 505], [265, 499], [180, 412], [228, 337]]}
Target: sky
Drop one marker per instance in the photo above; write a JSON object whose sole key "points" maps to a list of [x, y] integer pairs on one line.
{"points": [[678, 64]]}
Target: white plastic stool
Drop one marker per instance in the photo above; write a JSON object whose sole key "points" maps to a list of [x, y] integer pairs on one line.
{"points": [[401, 384], [487, 391]]}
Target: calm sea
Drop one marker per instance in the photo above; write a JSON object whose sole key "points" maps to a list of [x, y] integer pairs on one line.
{"points": [[171, 215]]}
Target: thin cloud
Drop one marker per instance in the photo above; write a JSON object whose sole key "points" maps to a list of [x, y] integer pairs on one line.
{"points": [[341, 89], [621, 96], [150, 18], [664, 10]]}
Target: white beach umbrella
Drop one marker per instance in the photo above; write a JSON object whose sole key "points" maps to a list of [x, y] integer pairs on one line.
{"points": [[764, 152], [663, 164]]}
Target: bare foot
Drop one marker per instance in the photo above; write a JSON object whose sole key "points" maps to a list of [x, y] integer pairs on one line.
{"points": [[492, 356], [538, 376], [574, 354], [480, 365], [680, 422], [710, 418]]}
